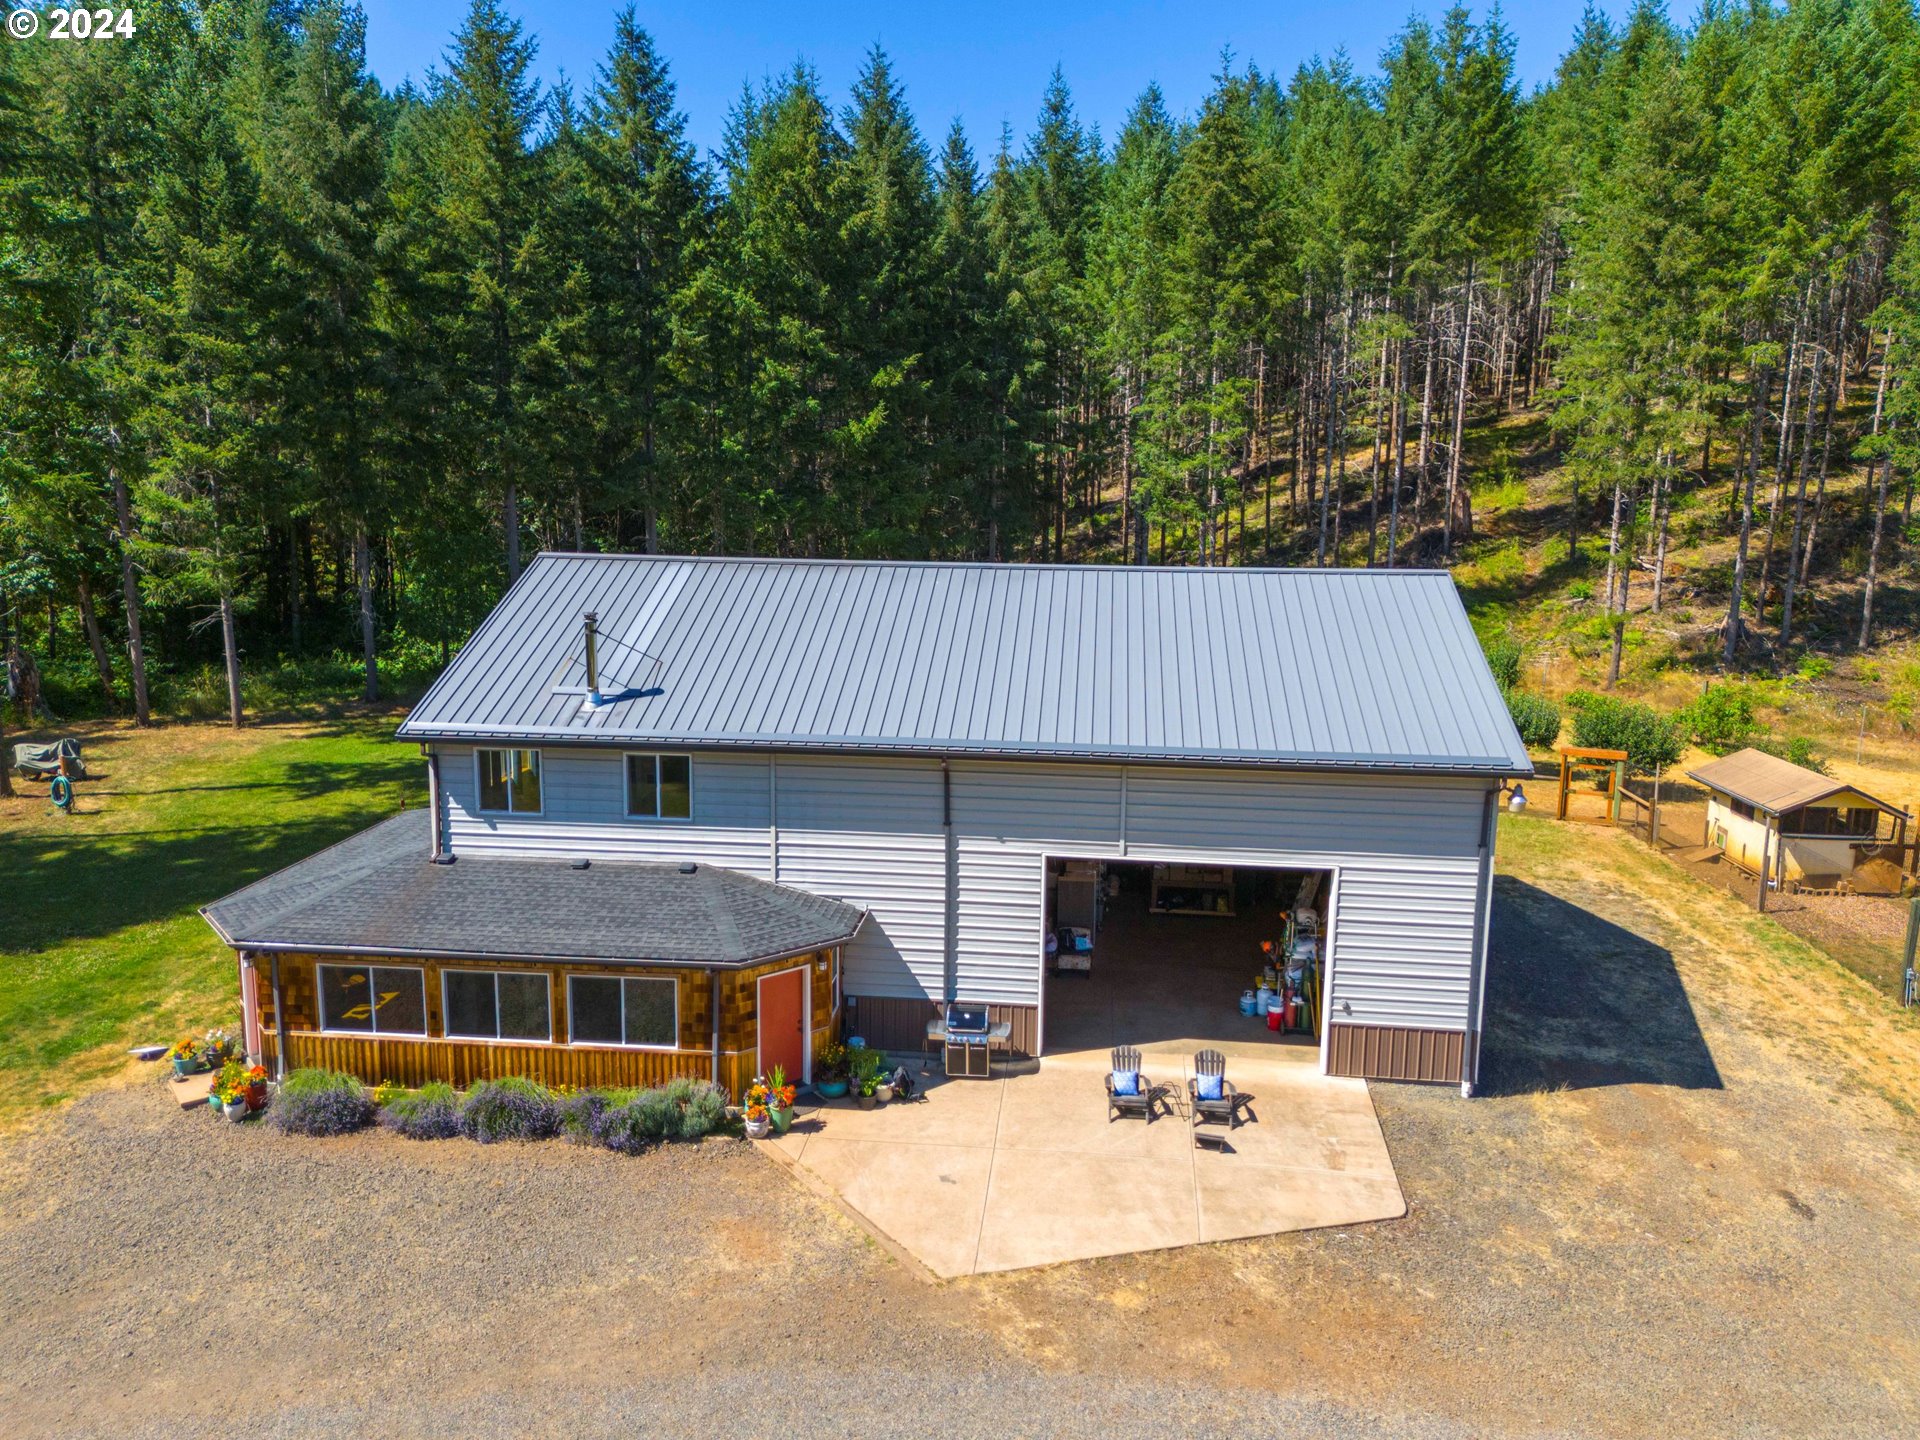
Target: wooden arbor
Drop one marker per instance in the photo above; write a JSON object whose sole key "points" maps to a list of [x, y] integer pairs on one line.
{"points": [[1609, 765]]}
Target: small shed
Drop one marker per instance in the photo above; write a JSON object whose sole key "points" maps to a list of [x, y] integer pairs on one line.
{"points": [[1801, 829]]}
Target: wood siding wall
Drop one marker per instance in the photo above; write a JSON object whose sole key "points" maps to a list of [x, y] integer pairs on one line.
{"points": [[413, 1059], [890, 1023], [1387, 1052]]}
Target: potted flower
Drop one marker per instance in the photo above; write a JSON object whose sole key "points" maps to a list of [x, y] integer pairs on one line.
{"points": [[780, 1097], [830, 1070], [229, 1090], [866, 1066], [185, 1055], [758, 1122], [256, 1091], [218, 1047]]}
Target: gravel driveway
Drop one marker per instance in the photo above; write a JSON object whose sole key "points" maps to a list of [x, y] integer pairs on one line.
{"points": [[1702, 1223]]}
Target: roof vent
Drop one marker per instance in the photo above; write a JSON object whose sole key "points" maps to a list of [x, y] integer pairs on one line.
{"points": [[687, 867], [581, 864], [592, 626]]}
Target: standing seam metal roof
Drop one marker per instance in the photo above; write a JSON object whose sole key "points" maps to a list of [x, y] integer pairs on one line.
{"points": [[1362, 669]]}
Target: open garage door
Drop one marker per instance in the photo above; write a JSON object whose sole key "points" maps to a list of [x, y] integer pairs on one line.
{"points": [[1171, 952]]}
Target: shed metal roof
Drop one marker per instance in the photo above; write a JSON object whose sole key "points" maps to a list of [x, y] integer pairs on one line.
{"points": [[377, 893], [1359, 669], [1769, 783]]}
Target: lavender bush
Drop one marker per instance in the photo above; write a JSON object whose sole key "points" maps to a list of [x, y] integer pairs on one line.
{"points": [[321, 1102], [682, 1109], [429, 1113], [510, 1109]]}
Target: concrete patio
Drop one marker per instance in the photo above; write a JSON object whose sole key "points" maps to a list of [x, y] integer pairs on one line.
{"points": [[1025, 1169]]}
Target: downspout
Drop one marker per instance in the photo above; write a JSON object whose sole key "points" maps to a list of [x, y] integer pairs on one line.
{"points": [[713, 977], [436, 824], [951, 935], [1477, 996], [279, 1023]]}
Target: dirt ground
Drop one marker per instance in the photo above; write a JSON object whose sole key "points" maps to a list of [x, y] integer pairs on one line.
{"points": [[1687, 1204]]}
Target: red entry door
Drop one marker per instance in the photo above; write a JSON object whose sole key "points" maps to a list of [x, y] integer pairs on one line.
{"points": [[783, 1024]]}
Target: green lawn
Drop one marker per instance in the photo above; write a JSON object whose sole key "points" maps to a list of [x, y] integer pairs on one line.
{"points": [[100, 943]]}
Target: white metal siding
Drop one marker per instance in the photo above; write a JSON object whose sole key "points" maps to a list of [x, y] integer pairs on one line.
{"points": [[583, 793], [868, 830]]}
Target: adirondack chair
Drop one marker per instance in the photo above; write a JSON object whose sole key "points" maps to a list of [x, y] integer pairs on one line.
{"points": [[1225, 1110], [1127, 1059]]}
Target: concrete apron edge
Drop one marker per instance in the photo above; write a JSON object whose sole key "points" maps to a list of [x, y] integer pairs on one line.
{"points": [[818, 1188]]}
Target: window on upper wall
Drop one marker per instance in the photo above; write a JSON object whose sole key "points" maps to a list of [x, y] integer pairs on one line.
{"points": [[606, 1010], [1742, 809], [660, 787], [373, 999], [509, 781], [497, 1005]]}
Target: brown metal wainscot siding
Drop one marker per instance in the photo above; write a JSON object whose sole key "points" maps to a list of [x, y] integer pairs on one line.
{"points": [[1388, 1052], [891, 1023]]}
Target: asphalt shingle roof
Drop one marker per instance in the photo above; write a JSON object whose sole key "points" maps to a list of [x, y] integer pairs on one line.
{"points": [[1355, 669], [378, 893]]}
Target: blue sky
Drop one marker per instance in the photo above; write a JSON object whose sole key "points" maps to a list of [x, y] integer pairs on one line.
{"points": [[983, 63]]}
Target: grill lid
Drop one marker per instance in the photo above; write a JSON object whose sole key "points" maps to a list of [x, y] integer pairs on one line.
{"points": [[966, 1019]]}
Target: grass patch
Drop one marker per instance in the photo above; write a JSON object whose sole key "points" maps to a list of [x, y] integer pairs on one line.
{"points": [[102, 946]]}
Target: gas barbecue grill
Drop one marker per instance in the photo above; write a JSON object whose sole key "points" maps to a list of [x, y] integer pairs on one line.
{"points": [[966, 1055]]}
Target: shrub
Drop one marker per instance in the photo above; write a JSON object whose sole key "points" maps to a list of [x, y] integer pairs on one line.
{"points": [[509, 1109], [429, 1113], [1535, 717], [580, 1116], [1580, 590], [682, 1109], [321, 1102], [1604, 722], [1503, 658], [1720, 721]]}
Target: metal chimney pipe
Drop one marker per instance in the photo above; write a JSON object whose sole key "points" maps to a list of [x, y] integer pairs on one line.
{"points": [[593, 658]]}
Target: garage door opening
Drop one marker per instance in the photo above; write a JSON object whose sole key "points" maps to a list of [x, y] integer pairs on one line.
{"points": [[1166, 956]]}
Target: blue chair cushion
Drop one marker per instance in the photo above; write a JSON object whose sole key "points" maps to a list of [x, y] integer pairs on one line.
{"points": [[1208, 1087], [1126, 1082]]}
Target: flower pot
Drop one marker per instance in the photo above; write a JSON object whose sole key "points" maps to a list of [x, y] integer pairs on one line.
{"points": [[182, 1066], [235, 1110], [866, 1102], [257, 1095], [830, 1089], [781, 1117], [883, 1093], [757, 1129]]}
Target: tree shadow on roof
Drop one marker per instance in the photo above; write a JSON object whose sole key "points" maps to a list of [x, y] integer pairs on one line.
{"points": [[1575, 1002]]}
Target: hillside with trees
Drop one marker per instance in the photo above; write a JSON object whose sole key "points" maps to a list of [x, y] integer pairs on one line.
{"points": [[298, 371]]}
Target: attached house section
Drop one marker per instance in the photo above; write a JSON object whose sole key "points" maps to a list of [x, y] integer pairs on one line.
{"points": [[372, 958]]}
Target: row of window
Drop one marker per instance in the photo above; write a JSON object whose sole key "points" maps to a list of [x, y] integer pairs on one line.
{"points": [[501, 1005], [659, 787]]}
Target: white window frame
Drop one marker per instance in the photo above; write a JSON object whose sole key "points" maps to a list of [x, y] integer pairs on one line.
{"points": [[626, 789], [480, 807], [425, 1032], [446, 1010], [623, 1043]]}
